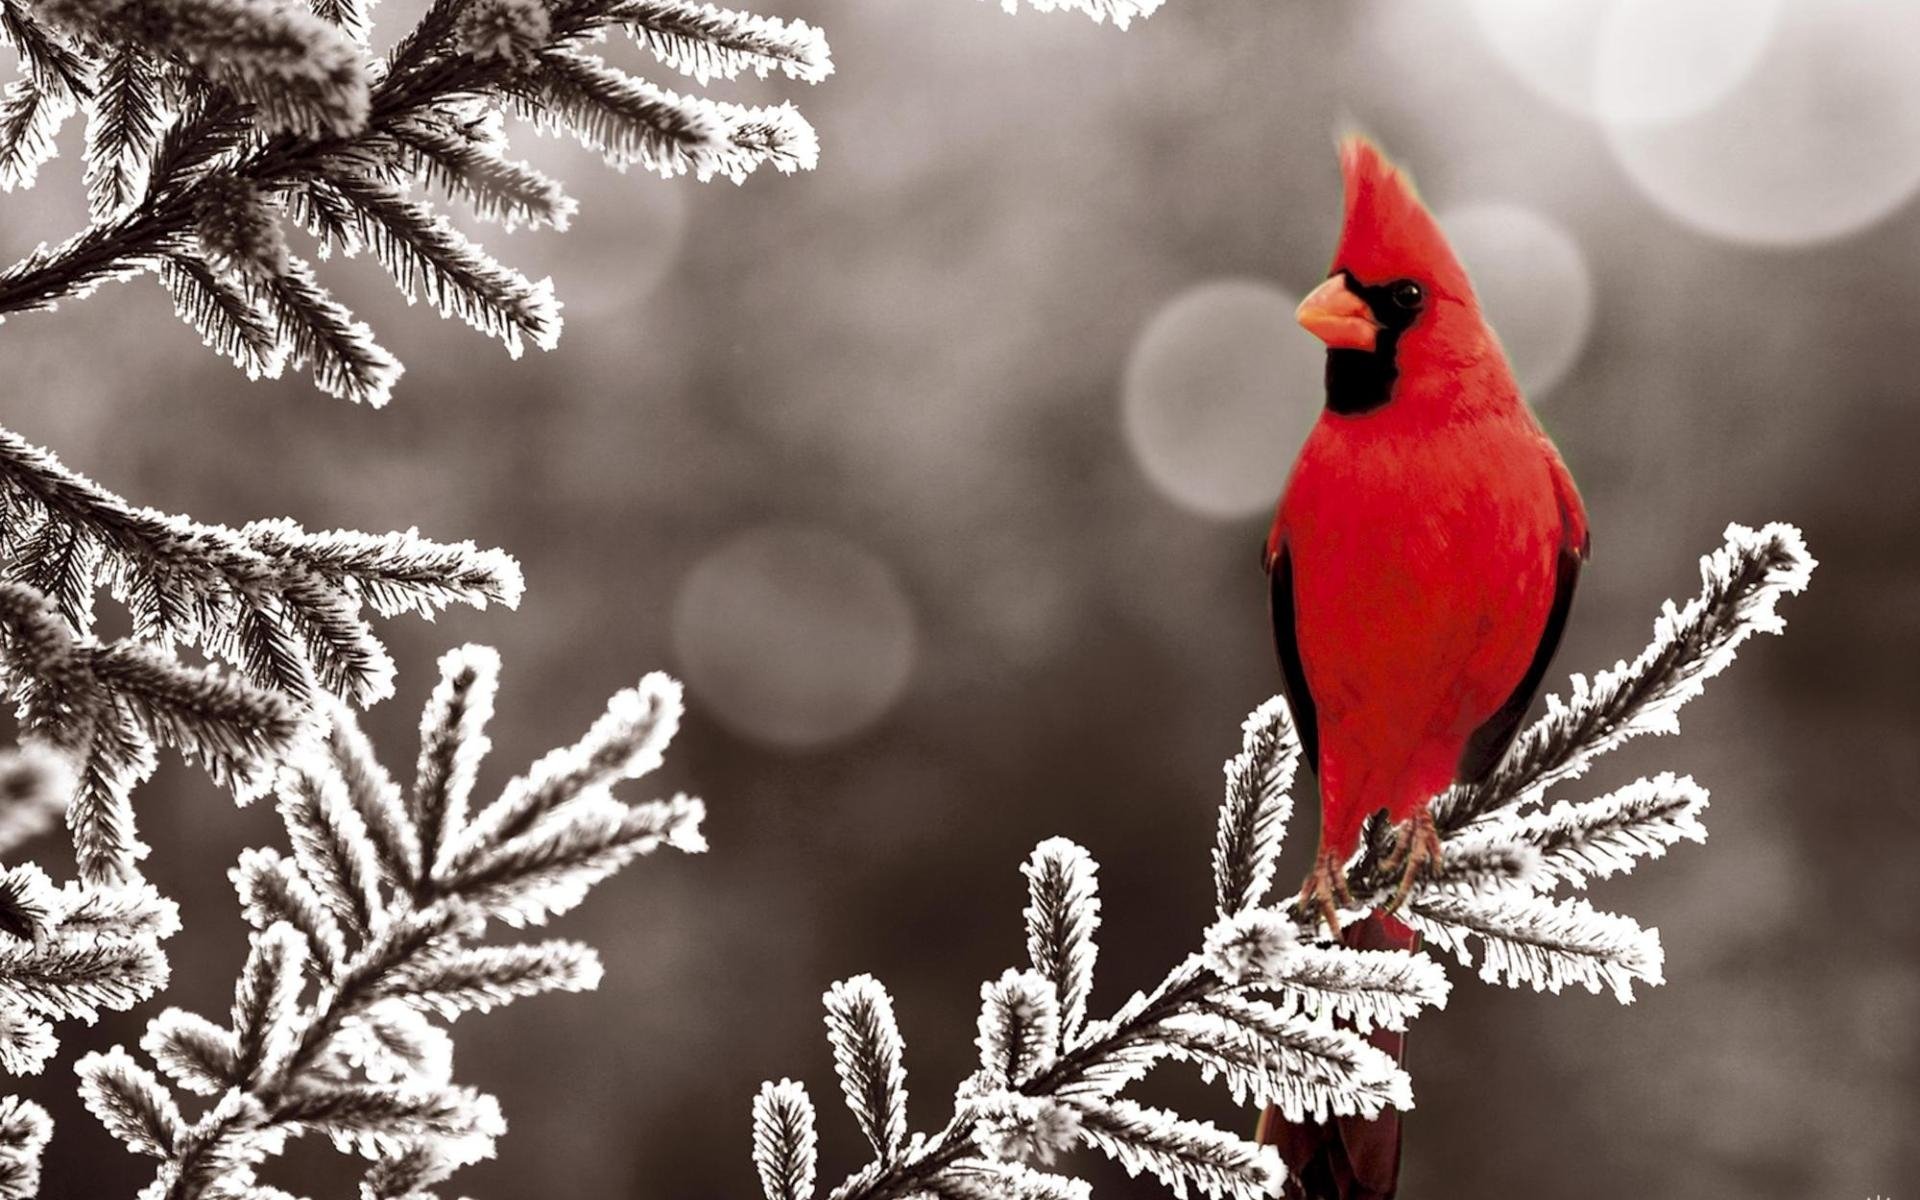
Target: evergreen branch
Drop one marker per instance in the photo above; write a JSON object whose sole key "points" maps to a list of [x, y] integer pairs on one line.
{"points": [[300, 74], [75, 977], [990, 1179], [227, 319], [1040, 1092], [1545, 943], [318, 331], [485, 977], [26, 1043], [1179, 1152], [1575, 842], [333, 1029], [30, 117], [132, 1104], [1305, 1067], [350, 15], [627, 742], [273, 889], [1369, 989], [627, 120], [1063, 912], [716, 43], [452, 743], [192, 1051], [429, 258], [1741, 583], [49, 61], [1019, 1028], [1253, 820], [29, 905], [785, 1151], [266, 1004], [1121, 12], [331, 845], [24, 1131], [278, 107], [278, 602], [467, 159], [122, 131], [376, 797], [866, 1054], [1043, 1088], [107, 705]]}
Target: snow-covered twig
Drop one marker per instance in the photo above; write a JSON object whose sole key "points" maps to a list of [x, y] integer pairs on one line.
{"points": [[1253, 1008], [279, 603], [223, 119], [24, 1130], [1276, 1019], [1503, 861], [281, 606], [366, 940]]}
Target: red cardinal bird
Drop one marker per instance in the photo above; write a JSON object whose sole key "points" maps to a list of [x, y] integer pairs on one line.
{"points": [[1421, 563]]}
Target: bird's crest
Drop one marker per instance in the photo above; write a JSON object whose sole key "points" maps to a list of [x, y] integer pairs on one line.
{"points": [[1389, 234]]}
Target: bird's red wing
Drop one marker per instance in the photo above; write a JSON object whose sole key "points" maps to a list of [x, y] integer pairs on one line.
{"points": [[1286, 643], [1488, 744]]}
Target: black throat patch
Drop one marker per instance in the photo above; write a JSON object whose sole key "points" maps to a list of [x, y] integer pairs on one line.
{"points": [[1359, 381]]}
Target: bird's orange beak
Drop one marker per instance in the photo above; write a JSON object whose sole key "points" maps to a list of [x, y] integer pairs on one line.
{"points": [[1332, 313]]}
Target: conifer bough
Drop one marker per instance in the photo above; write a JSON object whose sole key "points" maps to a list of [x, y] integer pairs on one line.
{"points": [[366, 944], [1273, 1016], [212, 121]]}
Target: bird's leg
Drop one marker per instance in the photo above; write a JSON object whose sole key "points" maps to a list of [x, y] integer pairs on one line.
{"points": [[1326, 889], [1416, 852]]}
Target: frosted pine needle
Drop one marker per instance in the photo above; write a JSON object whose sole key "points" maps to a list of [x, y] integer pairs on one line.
{"points": [[785, 1150]]}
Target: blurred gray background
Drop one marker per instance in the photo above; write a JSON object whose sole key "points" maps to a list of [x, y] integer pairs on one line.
{"points": [[939, 474]]}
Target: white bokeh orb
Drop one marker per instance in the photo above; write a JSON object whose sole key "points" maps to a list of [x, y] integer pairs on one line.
{"points": [[1628, 60], [1221, 388], [1820, 140], [1660, 60], [793, 635], [1534, 286]]}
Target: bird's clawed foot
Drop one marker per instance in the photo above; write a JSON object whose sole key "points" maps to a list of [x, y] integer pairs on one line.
{"points": [[1326, 890], [1416, 852]]}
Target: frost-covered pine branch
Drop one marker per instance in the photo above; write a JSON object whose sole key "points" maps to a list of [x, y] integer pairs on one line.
{"points": [[211, 125], [109, 704], [1121, 12], [24, 1130], [1276, 1019], [282, 607], [366, 943], [66, 951], [1253, 1008], [1504, 858]]}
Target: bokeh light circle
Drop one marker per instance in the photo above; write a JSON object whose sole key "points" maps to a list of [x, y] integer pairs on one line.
{"points": [[1534, 286], [794, 636], [1628, 60], [1820, 140], [1660, 60], [1220, 391]]}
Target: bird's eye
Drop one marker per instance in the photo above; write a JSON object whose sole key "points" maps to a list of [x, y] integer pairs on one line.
{"points": [[1408, 294]]}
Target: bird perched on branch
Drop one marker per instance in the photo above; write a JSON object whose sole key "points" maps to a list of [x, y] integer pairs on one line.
{"points": [[1422, 561], [1424, 555]]}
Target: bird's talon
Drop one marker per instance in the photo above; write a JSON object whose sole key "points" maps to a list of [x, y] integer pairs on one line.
{"points": [[1324, 886], [1416, 854]]}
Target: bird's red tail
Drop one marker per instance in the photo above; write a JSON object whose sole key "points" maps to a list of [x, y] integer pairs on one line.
{"points": [[1347, 1158]]}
